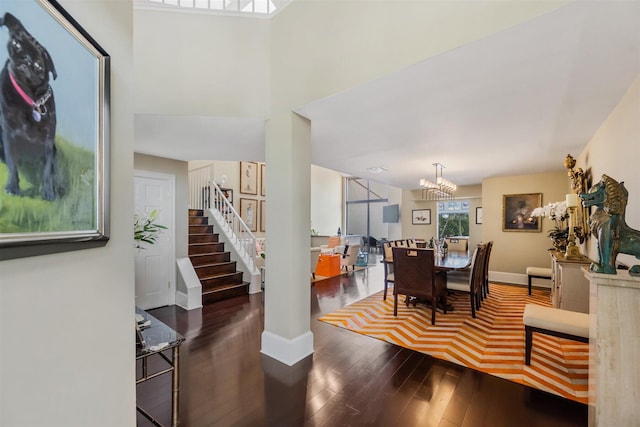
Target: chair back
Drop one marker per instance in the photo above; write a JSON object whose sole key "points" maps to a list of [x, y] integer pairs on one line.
{"points": [[486, 264], [457, 245], [476, 278], [414, 272], [334, 241]]}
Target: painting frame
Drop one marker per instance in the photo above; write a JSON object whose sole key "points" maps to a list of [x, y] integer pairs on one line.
{"points": [[263, 171], [249, 213], [421, 216], [263, 216], [479, 215], [81, 165], [249, 178], [516, 212]]}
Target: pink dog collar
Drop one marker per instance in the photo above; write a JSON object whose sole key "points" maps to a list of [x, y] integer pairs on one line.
{"points": [[38, 108]]}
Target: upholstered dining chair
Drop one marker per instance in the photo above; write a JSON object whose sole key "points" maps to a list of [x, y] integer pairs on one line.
{"points": [[387, 262], [473, 281], [415, 276]]}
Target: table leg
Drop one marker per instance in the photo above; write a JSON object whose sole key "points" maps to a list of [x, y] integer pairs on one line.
{"points": [[175, 388]]}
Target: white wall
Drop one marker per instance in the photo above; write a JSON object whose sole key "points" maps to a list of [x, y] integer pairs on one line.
{"points": [[201, 64], [67, 353], [320, 48], [326, 200], [614, 150]]}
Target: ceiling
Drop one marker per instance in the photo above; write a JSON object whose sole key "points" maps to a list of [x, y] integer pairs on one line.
{"points": [[513, 103]]}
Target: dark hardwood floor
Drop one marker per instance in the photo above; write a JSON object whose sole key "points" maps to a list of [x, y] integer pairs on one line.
{"points": [[351, 379]]}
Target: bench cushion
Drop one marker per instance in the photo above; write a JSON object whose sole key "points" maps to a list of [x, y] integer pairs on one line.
{"points": [[539, 272], [555, 319]]}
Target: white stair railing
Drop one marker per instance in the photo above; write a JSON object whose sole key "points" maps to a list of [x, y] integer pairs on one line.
{"points": [[205, 194]]}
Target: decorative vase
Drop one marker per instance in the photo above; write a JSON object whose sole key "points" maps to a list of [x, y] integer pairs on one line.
{"points": [[560, 244]]}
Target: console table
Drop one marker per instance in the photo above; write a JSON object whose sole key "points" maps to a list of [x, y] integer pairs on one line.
{"points": [[156, 338], [570, 289]]}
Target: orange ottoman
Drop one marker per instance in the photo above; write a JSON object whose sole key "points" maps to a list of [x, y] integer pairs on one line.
{"points": [[328, 265]]}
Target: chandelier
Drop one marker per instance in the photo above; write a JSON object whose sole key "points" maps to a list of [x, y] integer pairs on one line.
{"points": [[442, 189]]}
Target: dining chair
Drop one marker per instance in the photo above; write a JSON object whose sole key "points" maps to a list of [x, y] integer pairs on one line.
{"points": [[472, 282], [485, 284], [415, 276], [387, 262]]}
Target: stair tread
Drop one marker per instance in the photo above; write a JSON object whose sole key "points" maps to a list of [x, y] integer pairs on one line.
{"points": [[225, 287], [213, 264]]}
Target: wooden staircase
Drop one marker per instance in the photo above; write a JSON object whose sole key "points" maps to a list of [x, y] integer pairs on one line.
{"points": [[217, 273]]}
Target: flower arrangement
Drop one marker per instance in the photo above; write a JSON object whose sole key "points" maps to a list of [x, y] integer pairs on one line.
{"points": [[556, 211], [145, 229]]}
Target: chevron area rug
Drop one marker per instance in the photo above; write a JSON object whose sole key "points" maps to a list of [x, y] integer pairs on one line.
{"points": [[493, 342]]}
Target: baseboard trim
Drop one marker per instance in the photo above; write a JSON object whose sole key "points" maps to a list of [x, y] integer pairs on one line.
{"points": [[287, 351]]}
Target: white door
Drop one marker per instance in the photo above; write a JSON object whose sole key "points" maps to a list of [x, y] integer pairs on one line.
{"points": [[155, 263]]}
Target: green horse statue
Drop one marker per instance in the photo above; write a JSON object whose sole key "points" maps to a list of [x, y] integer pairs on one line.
{"points": [[608, 225]]}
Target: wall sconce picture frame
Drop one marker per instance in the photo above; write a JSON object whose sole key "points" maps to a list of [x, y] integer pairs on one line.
{"points": [[63, 197], [516, 212], [479, 215], [249, 178], [420, 216]]}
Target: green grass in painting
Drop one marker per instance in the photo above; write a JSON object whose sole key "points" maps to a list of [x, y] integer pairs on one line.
{"points": [[73, 211]]}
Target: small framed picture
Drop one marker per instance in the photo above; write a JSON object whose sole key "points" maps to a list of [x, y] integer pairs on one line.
{"points": [[249, 178], [421, 216], [263, 190], [263, 213], [479, 215], [249, 213]]}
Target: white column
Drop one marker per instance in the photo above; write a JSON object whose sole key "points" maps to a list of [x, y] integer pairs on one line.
{"points": [[287, 336]]}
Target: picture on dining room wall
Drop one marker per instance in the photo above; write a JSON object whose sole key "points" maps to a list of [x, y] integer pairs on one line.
{"points": [[249, 213], [479, 215], [263, 215], [249, 178], [54, 116], [421, 216], [517, 210], [263, 189]]}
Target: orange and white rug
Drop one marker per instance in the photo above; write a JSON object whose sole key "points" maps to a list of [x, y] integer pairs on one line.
{"points": [[493, 342]]}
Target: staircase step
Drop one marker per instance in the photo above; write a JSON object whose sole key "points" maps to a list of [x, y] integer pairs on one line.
{"points": [[205, 248], [220, 280], [210, 258], [200, 229], [203, 238], [196, 212], [198, 220], [216, 269], [225, 292]]}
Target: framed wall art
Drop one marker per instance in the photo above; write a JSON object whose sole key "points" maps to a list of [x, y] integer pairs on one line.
{"points": [[263, 216], [421, 216], [479, 215], [263, 190], [516, 212], [57, 192], [249, 178], [249, 213]]}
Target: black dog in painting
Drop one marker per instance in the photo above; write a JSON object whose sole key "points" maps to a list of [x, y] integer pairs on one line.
{"points": [[27, 113]]}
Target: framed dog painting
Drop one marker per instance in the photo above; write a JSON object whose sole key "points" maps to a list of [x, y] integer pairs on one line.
{"points": [[54, 100]]}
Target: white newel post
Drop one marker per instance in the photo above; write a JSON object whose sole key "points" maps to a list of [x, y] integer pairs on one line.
{"points": [[614, 341], [287, 336]]}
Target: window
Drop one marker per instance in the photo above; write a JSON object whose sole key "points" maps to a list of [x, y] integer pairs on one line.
{"points": [[453, 218]]}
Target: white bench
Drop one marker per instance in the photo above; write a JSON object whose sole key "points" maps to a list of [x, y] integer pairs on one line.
{"points": [[539, 273], [553, 321]]}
